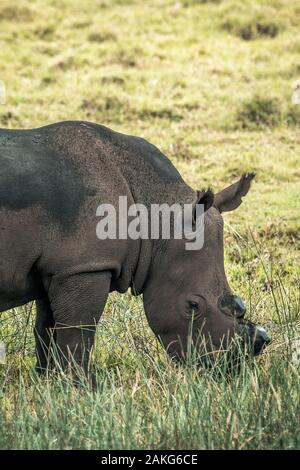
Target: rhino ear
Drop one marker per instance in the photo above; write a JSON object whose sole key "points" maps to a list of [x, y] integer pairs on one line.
{"points": [[206, 198], [230, 198]]}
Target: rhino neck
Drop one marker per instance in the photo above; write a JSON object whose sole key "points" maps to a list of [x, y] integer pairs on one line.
{"points": [[150, 178], [151, 251], [140, 275]]}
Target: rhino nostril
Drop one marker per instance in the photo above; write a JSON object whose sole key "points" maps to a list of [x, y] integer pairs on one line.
{"points": [[239, 307], [232, 304]]}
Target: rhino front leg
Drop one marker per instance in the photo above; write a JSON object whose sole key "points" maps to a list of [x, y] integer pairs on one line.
{"points": [[77, 302], [45, 335]]}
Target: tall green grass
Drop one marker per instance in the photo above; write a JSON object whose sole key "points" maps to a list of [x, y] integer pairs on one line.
{"points": [[158, 407]]}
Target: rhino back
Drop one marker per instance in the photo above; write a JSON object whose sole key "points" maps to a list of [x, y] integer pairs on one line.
{"points": [[34, 174], [60, 166], [150, 175], [140, 150]]}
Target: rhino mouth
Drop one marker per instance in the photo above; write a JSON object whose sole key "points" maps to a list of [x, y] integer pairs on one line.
{"points": [[250, 340], [255, 336]]}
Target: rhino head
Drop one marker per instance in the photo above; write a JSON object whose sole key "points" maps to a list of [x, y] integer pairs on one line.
{"points": [[187, 295]]}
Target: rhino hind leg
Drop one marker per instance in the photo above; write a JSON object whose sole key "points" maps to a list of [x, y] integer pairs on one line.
{"points": [[45, 335], [77, 302]]}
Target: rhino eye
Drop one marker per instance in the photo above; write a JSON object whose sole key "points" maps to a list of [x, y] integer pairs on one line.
{"points": [[193, 305], [192, 308], [196, 305]]}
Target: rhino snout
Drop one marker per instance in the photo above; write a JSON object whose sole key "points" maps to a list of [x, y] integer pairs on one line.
{"points": [[260, 340], [258, 337]]}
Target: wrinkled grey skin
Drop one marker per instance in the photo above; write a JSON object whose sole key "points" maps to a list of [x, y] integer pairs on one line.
{"points": [[51, 183]]}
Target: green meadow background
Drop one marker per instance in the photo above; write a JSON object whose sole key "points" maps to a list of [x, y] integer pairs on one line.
{"points": [[210, 83]]}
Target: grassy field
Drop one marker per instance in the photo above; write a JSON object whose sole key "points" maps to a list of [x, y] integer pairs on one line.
{"points": [[210, 83]]}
